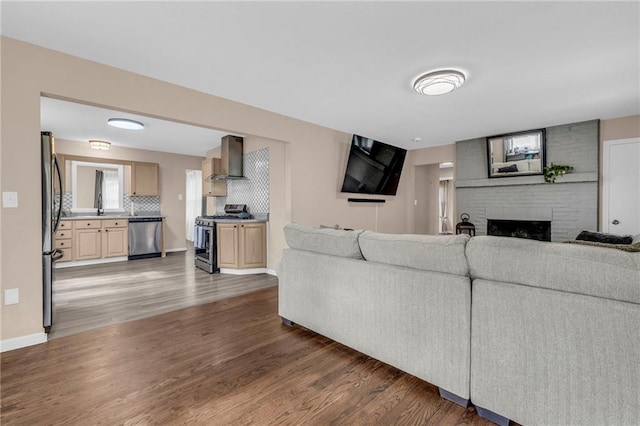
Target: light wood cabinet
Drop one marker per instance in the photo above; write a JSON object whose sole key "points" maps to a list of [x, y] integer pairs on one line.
{"points": [[88, 244], [253, 245], [227, 236], [92, 239], [63, 241], [211, 188], [242, 245], [145, 179], [115, 239]]}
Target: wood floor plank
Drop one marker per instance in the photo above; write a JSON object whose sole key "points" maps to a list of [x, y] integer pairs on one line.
{"points": [[90, 297], [228, 362]]}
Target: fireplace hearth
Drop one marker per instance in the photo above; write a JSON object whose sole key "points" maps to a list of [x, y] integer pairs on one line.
{"points": [[531, 229]]}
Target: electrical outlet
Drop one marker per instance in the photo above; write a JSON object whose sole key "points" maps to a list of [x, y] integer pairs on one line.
{"points": [[179, 197], [12, 296], [9, 199]]}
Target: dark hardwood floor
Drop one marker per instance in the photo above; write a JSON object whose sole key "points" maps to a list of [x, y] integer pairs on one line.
{"points": [[222, 363], [93, 296]]}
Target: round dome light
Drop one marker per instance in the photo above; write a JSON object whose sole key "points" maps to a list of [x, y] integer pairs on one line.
{"points": [[125, 123], [438, 82]]}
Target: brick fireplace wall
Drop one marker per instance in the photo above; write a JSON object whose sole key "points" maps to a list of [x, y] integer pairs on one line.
{"points": [[571, 203]]}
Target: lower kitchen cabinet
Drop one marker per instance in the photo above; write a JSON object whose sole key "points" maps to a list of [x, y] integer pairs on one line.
{"points": [[242, 245], [97, 239], [64, 242], [115, 239], [88, 243]]}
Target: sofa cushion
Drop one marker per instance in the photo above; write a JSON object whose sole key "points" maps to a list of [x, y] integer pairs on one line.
{"points": [[440, 253], [574, 268], [329, 241]]}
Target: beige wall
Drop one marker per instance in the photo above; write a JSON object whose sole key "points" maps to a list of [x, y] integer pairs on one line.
{"points": [[172, 180], [279, 213], [616, 128], [314, 159]]}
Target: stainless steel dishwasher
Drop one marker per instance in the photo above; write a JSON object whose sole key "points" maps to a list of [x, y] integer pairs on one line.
{"points": [[145, 237]]}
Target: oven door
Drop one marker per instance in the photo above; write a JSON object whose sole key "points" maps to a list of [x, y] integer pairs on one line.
{"points": [[204, 245], [202, 241]]}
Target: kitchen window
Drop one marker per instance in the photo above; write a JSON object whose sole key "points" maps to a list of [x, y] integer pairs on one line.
{"points": [[97, 181]]}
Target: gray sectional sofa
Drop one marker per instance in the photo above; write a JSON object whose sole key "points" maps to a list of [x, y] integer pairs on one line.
{"points": [[540, 333]]}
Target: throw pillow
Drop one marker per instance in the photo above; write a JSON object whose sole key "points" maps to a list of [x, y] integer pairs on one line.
{"points": [[600, 237], [511, 168], [623, 247]]}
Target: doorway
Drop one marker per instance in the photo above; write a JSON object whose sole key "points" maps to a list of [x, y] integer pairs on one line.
{"points": [[434, 198], [621, 187]]}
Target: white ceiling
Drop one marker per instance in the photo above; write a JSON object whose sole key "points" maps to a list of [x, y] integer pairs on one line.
{"points": [[350, 65], [77, 122]]}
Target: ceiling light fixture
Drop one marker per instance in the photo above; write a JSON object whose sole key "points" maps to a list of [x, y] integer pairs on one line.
{"points": [[101, 145], [438, 82], [125, 123]]}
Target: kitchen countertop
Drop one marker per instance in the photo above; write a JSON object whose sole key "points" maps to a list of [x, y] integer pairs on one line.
{"points": [[109, 216]]}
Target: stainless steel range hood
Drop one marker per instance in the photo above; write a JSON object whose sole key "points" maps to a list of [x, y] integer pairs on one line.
{"points": [[231, 161]]}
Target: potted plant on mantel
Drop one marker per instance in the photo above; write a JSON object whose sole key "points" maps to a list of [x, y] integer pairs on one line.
{"points": [[552, 172]]}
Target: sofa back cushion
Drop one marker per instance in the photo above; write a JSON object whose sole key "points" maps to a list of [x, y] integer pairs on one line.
{"points": [[334, 242], [439, 253], [593, 271]]}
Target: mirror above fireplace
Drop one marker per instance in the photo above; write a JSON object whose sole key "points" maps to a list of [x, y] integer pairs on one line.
{"points": [[516, 154]]}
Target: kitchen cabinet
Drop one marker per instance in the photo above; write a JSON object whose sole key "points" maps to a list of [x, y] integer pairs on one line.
{"points": [[64, 241], [145, 179], [211, 188], [242, 245], [115, 239], [88, 243], [97, 238]]}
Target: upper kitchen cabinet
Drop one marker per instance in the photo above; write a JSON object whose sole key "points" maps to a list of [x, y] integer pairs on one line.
{"points": [[144, 179], [210, 187]]}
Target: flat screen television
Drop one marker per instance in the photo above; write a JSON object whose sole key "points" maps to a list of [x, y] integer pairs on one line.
{"points": [[373, 167]]}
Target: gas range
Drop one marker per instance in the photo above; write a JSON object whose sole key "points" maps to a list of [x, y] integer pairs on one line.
{"points": [[231, 212]]}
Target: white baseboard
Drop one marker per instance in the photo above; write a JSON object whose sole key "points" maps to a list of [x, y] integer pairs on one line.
{"points": [[176, 249], [22, 341], [250, 271], [89, 262]]}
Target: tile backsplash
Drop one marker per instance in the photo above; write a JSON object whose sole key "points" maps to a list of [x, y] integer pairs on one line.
{"points": [[252, 191], [142, 204]]}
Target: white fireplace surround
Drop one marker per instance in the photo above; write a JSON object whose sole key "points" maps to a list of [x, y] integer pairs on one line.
{"points": [[541, 214]]}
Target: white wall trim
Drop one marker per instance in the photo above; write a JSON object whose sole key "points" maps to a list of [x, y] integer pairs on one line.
{"points": [[249, 271], [176, 249], [22, 341], [272, 272]]}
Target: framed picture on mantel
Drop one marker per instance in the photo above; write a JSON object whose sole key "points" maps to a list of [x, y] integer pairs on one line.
{"points": [[517, 154]]}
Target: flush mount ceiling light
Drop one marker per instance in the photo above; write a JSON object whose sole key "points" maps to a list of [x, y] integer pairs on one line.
{"points": [[101, 145], [438, 82], [125, 123]]}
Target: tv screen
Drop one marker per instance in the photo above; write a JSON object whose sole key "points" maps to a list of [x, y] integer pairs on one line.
{"points": [[373, 167]]}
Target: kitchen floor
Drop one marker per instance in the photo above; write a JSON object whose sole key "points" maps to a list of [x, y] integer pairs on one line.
{"points": [[90, 297]]}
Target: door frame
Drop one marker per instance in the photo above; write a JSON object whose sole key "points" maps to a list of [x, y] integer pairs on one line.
{"points": [[606, 146]]}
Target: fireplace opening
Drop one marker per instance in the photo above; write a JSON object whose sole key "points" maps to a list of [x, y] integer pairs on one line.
{"points": [[532, 229]]}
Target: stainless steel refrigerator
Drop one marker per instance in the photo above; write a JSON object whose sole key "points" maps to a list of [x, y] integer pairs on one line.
{"points": [[50, 220]]}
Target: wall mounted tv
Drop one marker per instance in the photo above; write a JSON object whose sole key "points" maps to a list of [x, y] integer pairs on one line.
{"points": [[373, 167]]}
